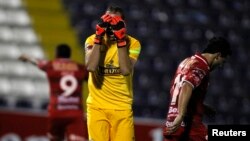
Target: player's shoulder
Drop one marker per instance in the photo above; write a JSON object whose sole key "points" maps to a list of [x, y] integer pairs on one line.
{"points": [[200, 62], [131, 38], [90, 38], [195, 65], [89, 41], [134, 41], [79, 65], [43, 63]]}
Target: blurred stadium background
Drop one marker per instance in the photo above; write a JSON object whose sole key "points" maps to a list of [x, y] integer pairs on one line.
{"points": [[169, 30]]}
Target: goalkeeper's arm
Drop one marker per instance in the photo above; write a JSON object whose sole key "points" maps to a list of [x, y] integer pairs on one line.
{"points": [[93, 57], [119, 29]]}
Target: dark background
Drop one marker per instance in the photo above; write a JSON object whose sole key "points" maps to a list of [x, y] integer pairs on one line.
{"points": [[169, 31]]}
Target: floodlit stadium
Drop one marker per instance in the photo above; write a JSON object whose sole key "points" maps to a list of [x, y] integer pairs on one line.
{"points": [[169, 31]]}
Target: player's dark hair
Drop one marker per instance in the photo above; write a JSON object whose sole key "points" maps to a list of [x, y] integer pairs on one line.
{"points": [[63, 51], [113, 8], [218, 44]]}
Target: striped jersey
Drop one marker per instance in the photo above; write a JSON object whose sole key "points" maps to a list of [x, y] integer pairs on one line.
{"points": [[195, 71]]}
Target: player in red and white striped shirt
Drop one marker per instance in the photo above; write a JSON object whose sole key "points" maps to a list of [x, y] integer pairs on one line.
{"points": [[188, 90]]}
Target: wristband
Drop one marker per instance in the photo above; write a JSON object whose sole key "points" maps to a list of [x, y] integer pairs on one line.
{"points": [[121, 43], [98, 40]]}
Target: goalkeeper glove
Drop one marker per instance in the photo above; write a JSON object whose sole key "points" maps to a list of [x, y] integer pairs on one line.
{"points": [[119, 30], [101, 27]]}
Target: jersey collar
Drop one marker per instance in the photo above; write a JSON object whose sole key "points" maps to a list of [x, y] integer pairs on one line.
{"points": [[203, 59]]}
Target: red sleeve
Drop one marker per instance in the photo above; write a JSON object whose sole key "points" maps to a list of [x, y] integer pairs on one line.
{"points": [[195, 76], [43, 64]]}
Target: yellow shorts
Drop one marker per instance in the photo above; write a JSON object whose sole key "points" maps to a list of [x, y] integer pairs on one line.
{"points": [[110, 125]]}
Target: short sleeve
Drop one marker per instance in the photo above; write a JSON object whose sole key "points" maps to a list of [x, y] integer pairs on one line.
{"points": [[195, 76], [89, 43], [135, 49], [42, 64]]}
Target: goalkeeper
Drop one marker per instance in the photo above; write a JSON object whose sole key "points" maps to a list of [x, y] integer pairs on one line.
{"points": [[110, 58]]}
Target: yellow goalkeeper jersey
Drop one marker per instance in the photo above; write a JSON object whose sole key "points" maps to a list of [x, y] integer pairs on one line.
{"points": [[109, 89]]}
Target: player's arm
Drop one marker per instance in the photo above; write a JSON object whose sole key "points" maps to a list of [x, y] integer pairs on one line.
{"points": [[184, 97], [28, 59], [93, 56], [119, 30], [126, 64], [128, 56]]}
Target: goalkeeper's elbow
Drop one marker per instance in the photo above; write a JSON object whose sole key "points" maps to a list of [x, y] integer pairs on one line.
{"points": [[125, 71], [91, 68]]}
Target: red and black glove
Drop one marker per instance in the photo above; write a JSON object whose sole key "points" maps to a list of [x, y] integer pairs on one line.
{"points": [[101, 27], [119, 30]]}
